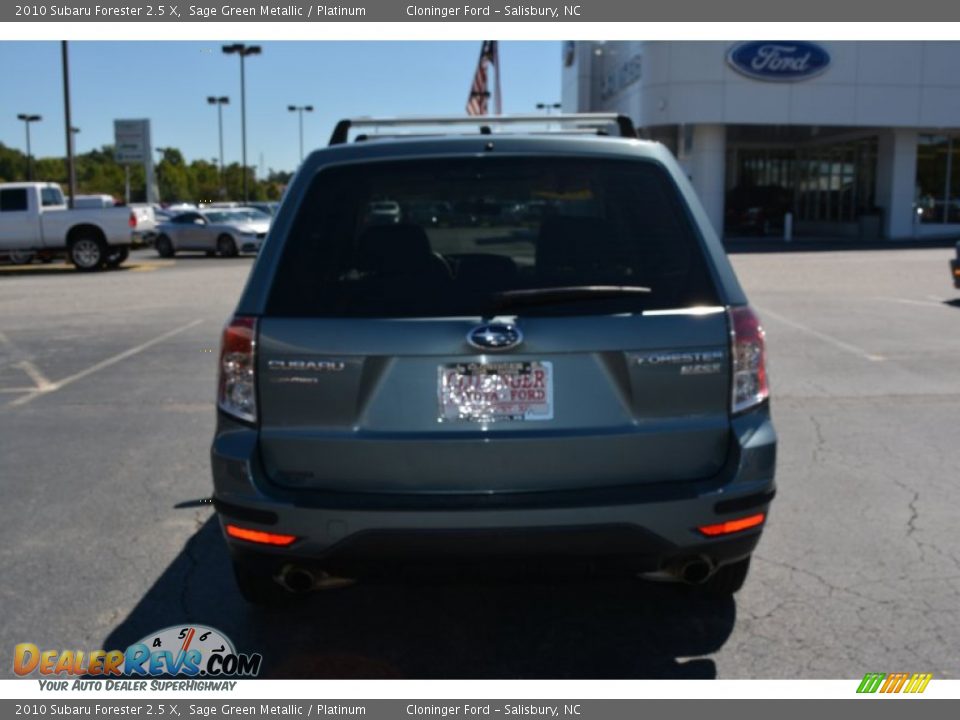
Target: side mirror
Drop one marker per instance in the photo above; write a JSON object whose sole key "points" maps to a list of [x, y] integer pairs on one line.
{"points": [[199, 221]]}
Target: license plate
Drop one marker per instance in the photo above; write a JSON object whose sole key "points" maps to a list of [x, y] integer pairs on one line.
{"points": [[488, 392]]}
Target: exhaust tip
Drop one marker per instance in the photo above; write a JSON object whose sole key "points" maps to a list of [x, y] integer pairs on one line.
{"points": [[298, 580], [696, 571]]}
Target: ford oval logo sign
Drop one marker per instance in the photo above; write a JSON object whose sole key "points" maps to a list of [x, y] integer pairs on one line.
{"points": [[779, 61], [495, 336]]}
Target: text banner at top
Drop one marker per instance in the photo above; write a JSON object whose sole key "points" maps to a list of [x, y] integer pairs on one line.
{"points": [[406, 11]]}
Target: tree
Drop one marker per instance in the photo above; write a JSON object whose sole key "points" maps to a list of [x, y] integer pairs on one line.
{"points": [[205, 181], [13, 164], [98, 172]]}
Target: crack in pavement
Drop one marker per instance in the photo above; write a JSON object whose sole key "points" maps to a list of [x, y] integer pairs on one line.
{"points": [[816, 454]]}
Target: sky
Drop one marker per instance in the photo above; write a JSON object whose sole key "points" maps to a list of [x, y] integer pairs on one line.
{"points": [[168, 82]]}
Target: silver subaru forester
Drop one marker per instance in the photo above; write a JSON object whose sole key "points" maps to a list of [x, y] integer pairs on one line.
{"points": [[542, 360]]}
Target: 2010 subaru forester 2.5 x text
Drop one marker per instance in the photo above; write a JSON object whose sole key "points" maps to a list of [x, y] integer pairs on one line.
{"points": [[545, 357]]}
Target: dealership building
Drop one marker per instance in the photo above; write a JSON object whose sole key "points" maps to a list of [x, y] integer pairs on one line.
{"points": [[858, 139]]}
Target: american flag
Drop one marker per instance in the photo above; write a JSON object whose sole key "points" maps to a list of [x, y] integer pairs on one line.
{"points": [[480, 88]]}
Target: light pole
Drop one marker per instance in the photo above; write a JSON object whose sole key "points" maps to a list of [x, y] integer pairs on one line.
{"points": [[548, 106], [300, 109], [27, 119], [243, 51], [71, 153], [68, 122], [220, 102]]}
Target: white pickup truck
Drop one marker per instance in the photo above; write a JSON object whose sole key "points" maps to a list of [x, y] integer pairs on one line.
{"points": [[35, 220]]}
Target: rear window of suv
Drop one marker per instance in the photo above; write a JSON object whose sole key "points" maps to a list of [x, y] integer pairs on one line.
{"points": [[448, 237]]}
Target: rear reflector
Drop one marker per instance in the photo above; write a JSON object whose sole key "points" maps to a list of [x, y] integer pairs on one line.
{"points": [[748, 348], [258, 536], [237, 394], [732, 526]]}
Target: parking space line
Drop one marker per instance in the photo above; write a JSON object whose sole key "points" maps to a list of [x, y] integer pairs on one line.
{"points": [[836, 342], [39, 379], [139, 266], [910, 301], [52, 387]]}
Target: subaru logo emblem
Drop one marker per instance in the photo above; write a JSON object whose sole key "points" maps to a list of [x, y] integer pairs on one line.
{"points": [[495, 336]]}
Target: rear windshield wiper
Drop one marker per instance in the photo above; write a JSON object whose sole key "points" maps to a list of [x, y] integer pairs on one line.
{"points": [[549, 295]]}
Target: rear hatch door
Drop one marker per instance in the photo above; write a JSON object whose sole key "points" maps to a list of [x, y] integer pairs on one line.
{"points": [[367, 381]]}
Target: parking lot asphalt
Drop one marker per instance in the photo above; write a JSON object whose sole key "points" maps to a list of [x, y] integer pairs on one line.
{"points": [[106, 414]]}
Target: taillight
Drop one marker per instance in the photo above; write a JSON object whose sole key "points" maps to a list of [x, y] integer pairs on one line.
{"points": [[733, 526], [258, 536], [238, 392], [749, 354], [133, 219]]}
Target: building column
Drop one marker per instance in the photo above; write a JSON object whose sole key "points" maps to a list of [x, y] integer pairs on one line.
{"points": [[706, 164], [896, 181]]}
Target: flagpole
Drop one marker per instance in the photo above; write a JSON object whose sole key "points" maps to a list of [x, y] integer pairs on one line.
{"points": [[473, 91]]}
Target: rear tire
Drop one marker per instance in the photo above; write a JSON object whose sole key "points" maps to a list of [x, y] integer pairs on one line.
{"points": [[88, 253], [117, 257], [727, 580], [164, 246], [226, 246], [258, 587]]}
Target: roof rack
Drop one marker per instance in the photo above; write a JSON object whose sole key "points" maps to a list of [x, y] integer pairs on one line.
{"points": [[484, 123]]}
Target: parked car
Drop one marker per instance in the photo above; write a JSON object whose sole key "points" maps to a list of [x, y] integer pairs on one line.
{"points": [[383, 212], [584, 390], [225, 232], [955, 268], [221, 204], [757, 210], [93, 201], [34, 219], [270, 208]]}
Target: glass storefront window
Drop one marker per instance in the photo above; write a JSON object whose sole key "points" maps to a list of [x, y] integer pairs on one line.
{"points": [[821, 182], [938, 179], [836, 182], [954, 212]]}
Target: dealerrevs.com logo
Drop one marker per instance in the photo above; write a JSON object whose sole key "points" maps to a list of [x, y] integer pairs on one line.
{"points": [[892, 683], [192, 651]]}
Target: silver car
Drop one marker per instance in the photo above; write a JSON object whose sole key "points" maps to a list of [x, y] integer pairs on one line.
{"points": [[216, 231], [579, 384]]}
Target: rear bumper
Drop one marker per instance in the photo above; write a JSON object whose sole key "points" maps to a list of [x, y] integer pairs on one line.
{"points": [[471, 553], [142, 238], [638, 528]]}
